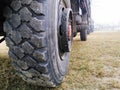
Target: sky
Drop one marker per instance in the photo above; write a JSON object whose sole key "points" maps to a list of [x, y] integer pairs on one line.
{"points": [[106, 11]]}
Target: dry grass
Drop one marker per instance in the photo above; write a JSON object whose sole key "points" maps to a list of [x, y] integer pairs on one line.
{"points": [[94, 65]]}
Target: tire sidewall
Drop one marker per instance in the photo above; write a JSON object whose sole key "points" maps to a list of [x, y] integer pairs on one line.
{"points": [[58, 67]]}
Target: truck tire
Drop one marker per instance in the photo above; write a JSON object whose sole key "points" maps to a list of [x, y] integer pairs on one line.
{"points": [[32, 37], [83, 35]]}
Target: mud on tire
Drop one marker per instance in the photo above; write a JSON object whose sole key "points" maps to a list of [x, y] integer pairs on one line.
{"points": [[31, 35]]}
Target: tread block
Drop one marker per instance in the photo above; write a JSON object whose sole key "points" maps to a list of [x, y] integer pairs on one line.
{"points": [[40, 55], [37, 25], [9, 42], [18, 52], [37, 7], [25, 31], [16, 5], [15, 20], [16, 37], [34, 72], [39, 42], [7, 12], [30, 62], [17, 68], [27, 74], [31, 73], [7, 27], [25, 14], [27, 47], [13, 56], [23, 65], [42, 68], [27, 2]]}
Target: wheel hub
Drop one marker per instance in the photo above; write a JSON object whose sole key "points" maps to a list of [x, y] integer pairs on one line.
{"points": [[65, 31]]}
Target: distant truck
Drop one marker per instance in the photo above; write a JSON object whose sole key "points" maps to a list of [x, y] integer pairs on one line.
{"points": [[39, 34]]}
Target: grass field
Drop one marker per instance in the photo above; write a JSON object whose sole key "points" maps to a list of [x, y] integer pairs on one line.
{"points": [[94, 65]]}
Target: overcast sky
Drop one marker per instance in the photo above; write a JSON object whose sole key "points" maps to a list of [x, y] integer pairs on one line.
{"points": [[106, 11]]}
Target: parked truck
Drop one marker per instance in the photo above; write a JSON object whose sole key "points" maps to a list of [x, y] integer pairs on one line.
{"points": [[39, 34]]}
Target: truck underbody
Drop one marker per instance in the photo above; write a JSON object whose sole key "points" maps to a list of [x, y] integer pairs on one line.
{"points": [[76, 5], [2, 19]]}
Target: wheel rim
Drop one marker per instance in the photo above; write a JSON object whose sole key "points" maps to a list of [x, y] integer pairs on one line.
{"points": [[64, 30]]}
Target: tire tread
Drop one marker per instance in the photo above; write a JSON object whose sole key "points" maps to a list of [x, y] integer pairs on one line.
{"points": [[27, 47]]}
